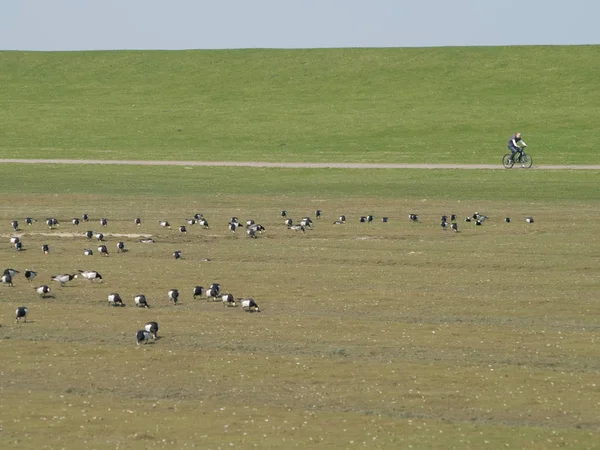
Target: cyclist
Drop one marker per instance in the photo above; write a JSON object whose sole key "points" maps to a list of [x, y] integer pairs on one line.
{"points": [[516, 145]]}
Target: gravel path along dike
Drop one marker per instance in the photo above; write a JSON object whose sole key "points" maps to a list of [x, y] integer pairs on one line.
{"points": [[291, 165]]}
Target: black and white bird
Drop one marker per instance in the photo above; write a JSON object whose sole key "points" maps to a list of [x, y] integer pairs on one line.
{"points": [[475, 215], [481, 218], [370, 218], [182, 229], [30, 275], [120, 246], [529, 219], [142, 336], [173, 296], [89, 234], [15, 225], [198, 216], [213, 292], [138, 221], [249, 305], [444, 225], [15, 240], [75, 221], [288, 222], [46, 249], [6, 279], [297, 227], [19, 246], [90, 275], [452, 217], [250, 222], [232, 226], [164, 223], [88, 252], [114, 299], [385, 219], [21, 313], [104, 222], [103, 250], [256, 227], [234, 219], [198, 291], [467, 219], [413, 217], [283, 213], [85, 217], [362, 219], [12, 272], [43, 290], [52, 222], [342, 219], [147, 240], [99, 236], [306, 222], [203, 223], [228, 300], [63, 278], [177, 254], [152, 328], [140, 301], [191, 221], [507, 219], [454, 226], [29, 221], [251, 233], [318, 213]]}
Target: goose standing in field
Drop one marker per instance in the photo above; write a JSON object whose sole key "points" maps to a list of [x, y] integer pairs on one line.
{"points": [[213, 292], [250, 222], [120, 247], [21, 313], [46, 249], [454, 227], [177, 254], [297, 228], [452, 217], [385, 219], [251, 233], [164, 223], [6, 279], [103, 250], [15, 225], [362, 219], [306, 222], [99, 237], [147, 240], [198, 216], [370, 218], [342, 219], [15, 240], [30, 275], [444, 225], [318, 213], [173, 296], [191, 221], [289, 222], [75, 221], [249, 305], [507, 219], [43, 290], [234, 219], [63, 278], [413, 217], [114, 299], [85, 217], [52, 222], [29, 221], [104, 222], [467, 219], [19, 246], [140, 301], [90, 275], [89, 234], [529, 219], [232, 226], [203, 223], [228, 300], [88, 252], [152, 328], [12, 272], [198, 291], [142, 336], [138, 221], [182, 229], [283, 213]]}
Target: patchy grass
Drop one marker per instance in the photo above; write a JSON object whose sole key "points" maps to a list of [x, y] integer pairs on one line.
{"points": [[381, 335]]}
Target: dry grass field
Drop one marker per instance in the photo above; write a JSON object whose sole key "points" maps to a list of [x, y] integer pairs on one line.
{"points": [[371, 335]]}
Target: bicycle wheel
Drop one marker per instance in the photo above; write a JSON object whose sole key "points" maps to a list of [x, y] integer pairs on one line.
{"points": [[526, 161], [507, 161]]}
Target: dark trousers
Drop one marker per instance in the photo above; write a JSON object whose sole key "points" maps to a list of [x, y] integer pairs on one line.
{"points": [[514, 151]]}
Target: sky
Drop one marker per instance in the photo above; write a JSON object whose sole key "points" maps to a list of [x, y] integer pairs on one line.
{"points": [[52, 25]]}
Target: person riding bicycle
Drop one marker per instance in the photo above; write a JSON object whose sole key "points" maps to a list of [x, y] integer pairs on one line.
{"points": [[514, 147]]}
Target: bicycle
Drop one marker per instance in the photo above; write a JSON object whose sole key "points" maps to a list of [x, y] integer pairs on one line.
{"points": [[524, 159]]}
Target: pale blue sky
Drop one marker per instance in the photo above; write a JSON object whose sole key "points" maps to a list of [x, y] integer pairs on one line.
{"points": [[204, 24]]}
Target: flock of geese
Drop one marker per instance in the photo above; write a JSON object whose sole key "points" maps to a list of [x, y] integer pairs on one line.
{"points": [[213, 292]]}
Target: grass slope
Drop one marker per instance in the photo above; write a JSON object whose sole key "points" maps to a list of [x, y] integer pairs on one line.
{"points": [[370, 105]]}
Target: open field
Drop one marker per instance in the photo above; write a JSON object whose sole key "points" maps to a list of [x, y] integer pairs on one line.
{"points": [[444, 105], [381, 335]]}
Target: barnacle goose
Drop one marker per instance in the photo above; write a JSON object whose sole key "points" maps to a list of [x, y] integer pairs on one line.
{"points": [[142, 336], [249, 305], [173, 296], [114, 299], [63, 278], [140, 300], [43, 290], [198, 290], [90, 275], [21, 313], [103, 249], [152, 328], [228, 300]]}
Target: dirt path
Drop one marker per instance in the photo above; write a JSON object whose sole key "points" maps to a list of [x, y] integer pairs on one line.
{"points": [[290, 165]]}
